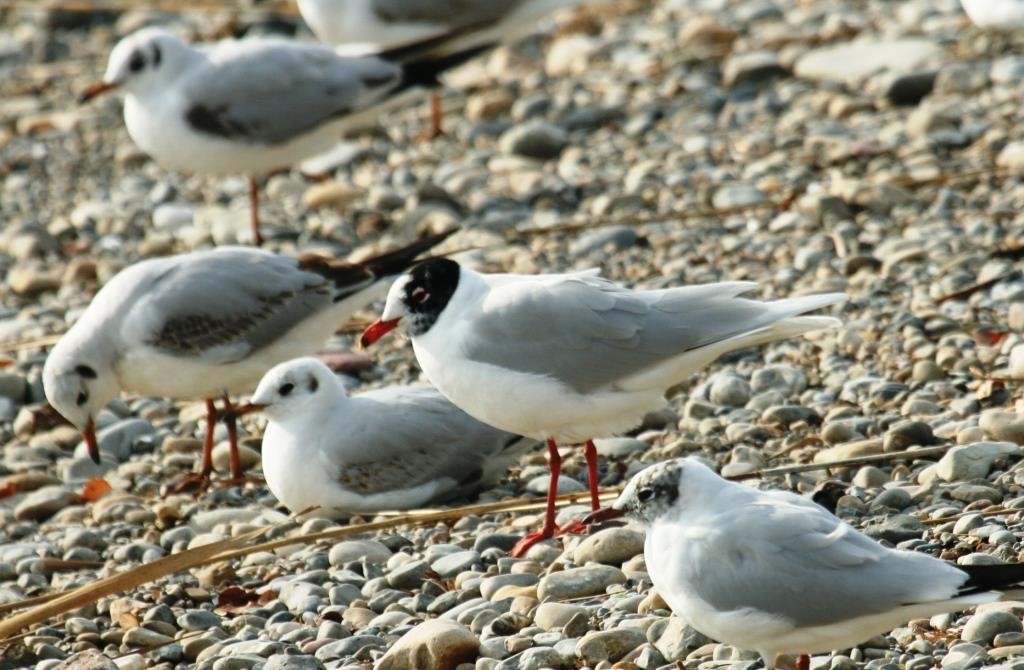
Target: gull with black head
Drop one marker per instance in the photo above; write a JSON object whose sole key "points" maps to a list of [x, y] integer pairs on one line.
{"points": [[570, 357]]}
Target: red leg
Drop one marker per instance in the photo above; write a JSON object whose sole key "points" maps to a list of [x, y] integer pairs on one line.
{"points": [[548, 530], [436, 114], [590, 451], [211, 424], [231, 422], [254, 211], [803, 662]]}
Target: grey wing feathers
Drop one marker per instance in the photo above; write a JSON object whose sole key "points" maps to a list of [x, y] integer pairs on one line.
{"points": [[589, 333], [814, 570], [271, 91], [452, 13], [223, 304], [415, 436]]}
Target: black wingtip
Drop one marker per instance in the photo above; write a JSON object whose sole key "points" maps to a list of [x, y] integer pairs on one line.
{"points": [[989, 577], [397, 261]]}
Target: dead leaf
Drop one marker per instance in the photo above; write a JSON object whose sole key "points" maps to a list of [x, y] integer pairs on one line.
{"points": [[236, 599], [95, 489], [127, 620]]}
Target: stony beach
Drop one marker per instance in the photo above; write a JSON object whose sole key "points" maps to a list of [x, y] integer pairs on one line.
{"points": [[863, 146]]}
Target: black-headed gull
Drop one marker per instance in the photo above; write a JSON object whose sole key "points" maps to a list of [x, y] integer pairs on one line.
{"points": [[995, 14], [207, 324], [773, 572], [257, 105], [399, 447], [571, 357], [362, 27]]}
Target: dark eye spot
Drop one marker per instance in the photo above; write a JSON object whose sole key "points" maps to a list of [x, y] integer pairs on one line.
{"points": [[156, 55], [85, 371], [137, 61], [313, 384], [83, 397], [419, 295], [286, 388], [645, 495]]}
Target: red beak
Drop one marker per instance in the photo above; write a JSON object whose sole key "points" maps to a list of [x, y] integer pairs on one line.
{"points": [[377, 330], [603, 514], [89, 436], [92, 90]]}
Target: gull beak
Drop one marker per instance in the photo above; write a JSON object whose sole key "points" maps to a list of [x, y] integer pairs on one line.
{"points": [[94, 89], [377, 330], [89, 435], [602, 515], [248, 408]]}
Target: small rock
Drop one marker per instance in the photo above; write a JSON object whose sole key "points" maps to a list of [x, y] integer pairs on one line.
{"points": [[534, 139], [611, 545], [436, 644], [578, 582], [984, 626], [370, 551], [552, 615], [972, 461], [609, 645], [44, 503]]}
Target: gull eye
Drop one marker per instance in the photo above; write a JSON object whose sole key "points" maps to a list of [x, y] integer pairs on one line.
{"points": [[419, 295], [286, 388], [83, 397], [645, 495], [85, 371], [137, 62]]}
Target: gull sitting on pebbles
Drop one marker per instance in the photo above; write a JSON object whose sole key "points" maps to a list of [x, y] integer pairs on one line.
{"points": [[399, 447], [774, 572], [207, 324], [571, 357], [259, 105]]}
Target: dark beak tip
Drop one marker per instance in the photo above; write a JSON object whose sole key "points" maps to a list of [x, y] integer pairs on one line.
{"points": [[603, 514], [95, 456]]}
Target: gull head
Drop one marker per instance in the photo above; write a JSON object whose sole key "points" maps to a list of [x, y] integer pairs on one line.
{"points": [[295, 388], [147, 59], [416, 299], [78, 386], [671, 487]]}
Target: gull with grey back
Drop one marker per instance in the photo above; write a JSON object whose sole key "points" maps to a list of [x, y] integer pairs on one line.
{"points": [[398, 447], [773, 572], [207, 324], [571, 357], [254, 106]]}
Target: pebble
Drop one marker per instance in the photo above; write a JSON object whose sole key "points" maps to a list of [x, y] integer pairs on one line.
{"points": [[985, 626], [612, 546], [553, 615], [432, 644], [534, 139], [579, 582]]}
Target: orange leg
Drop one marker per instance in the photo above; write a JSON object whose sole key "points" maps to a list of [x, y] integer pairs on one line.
{"points": [[590, 451], [549, 528], [211, 424], [803, 662], [230, 420], [254, 211]]}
